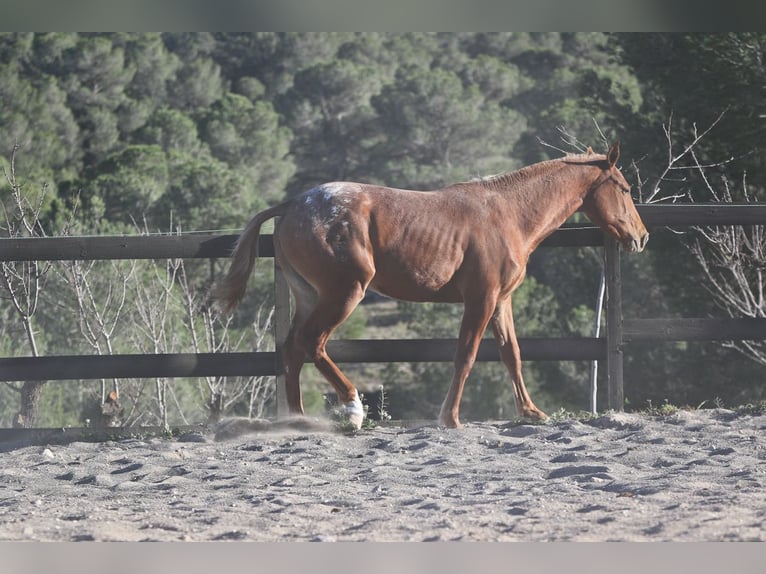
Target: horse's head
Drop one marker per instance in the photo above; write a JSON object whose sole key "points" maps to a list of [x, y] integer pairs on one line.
{"points": [[609, 205]]}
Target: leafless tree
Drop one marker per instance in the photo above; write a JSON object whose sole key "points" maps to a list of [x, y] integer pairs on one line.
{"points": [[680, 164], [23, 282], [152, 330], [168, 312], [158, 307], [732, 258], [100, 299], [153, 306], [212, 332]]}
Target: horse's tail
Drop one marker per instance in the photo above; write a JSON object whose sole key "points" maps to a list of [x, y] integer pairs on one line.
{"points": [[229, 292]]}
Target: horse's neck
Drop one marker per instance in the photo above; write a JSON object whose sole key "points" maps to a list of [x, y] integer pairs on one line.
{"points": [[542, 197]]}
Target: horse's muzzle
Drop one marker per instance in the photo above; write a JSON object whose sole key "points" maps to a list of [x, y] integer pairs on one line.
{"points": [[636, 245]]}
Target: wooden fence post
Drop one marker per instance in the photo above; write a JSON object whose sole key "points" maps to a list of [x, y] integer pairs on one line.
{"points": [[281, 327], [614, 336]]}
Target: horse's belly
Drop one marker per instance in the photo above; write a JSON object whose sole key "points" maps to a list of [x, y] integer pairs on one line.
{"points": [[424, 283], [418, 294]]}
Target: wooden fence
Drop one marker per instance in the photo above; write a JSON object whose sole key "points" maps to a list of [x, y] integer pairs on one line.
{"points": [[619, 331]]}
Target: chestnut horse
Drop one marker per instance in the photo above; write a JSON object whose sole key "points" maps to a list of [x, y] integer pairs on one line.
{"points": [[468, 242]]}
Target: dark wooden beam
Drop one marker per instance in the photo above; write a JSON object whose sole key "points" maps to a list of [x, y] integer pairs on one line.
{"points": [[85, 367], [725, 329]]}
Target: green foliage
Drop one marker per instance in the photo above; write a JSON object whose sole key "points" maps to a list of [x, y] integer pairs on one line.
{"points": [[37, 119], [204, 193], [695, 78], [663, 410], [435, 127], [248, 138], [329, 110], [131, 181], [172, 130]]}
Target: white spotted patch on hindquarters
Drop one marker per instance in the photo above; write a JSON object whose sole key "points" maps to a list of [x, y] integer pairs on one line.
{"points": [[326, 215], [355, 412], [327, 201]]}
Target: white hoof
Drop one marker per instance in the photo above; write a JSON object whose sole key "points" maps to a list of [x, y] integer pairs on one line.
{"points": [[355, 412]]}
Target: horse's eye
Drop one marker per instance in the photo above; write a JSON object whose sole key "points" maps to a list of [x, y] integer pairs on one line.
{"points": [[625, 188]]}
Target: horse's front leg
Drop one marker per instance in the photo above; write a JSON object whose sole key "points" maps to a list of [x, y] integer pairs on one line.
{"points": [[505, 335], [476, 315]]}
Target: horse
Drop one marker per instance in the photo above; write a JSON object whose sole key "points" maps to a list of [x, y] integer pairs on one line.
{"points": [[465, 243]]}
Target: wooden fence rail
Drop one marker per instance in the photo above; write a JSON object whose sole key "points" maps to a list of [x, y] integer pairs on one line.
{"points": [[72, 367], [619, 331]]}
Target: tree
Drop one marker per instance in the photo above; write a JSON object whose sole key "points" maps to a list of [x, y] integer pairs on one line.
{"points": [[436, 130], [173, 130], [37, 121], [198, 82], [733, 260], [94, 76], [204, 193], [197, 85], [691, 80], [129, 182], [248, 137], [329, 110], [155, 68], [695, 78], [23, 283]]}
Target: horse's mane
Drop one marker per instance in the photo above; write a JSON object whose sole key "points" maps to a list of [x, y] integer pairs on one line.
{"points": [[587, 157], [530, 171]]}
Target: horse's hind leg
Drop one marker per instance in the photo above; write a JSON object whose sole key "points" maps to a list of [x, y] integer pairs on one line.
{"points": [[505, 334], [333, 307], [293, 353]]}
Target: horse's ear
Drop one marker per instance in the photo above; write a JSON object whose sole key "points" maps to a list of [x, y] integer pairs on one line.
{"points": [[613, 155]]}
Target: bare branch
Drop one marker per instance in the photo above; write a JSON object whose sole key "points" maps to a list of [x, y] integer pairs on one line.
{"points": [[546, 144], [733, 260], [676, 163]]}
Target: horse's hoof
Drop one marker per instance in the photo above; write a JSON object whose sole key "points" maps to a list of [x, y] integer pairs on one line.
{"points": [[355, 412], [450, 422], [534, 414]]}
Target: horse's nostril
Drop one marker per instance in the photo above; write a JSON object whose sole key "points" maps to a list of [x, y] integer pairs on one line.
{"points": [[636, 244]]}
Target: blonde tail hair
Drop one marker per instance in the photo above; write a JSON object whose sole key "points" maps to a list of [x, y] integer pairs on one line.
{"points": [[230, 291]]}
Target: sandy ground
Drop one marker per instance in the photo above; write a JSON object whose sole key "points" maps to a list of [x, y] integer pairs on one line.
{"points": [[691, 476]]}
